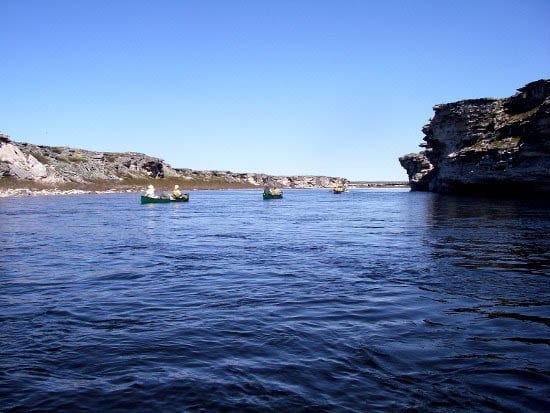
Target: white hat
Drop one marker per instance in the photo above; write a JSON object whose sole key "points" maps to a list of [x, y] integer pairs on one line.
{"points": [[176, 186], [151, 187]]}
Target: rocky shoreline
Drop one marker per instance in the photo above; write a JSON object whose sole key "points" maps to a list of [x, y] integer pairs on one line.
{"points": [[486, 146], [20, 192], [375, 185], [26, 192], [28, 169]]}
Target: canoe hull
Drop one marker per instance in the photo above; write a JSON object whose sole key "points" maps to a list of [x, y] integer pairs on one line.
{"points": [[271, 196], [147, 200]]}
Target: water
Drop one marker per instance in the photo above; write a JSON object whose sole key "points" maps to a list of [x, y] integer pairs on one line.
{"points": [[365, 301]]}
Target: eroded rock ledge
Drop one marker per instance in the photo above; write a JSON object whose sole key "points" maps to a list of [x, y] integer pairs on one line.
{"points": [[62, 165], [486, 145]]}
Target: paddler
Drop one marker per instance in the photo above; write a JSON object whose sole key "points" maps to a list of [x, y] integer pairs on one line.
{"points": [[150, 193]]}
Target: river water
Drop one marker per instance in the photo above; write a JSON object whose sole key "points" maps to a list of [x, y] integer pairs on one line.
{"points": [[373, 300]]}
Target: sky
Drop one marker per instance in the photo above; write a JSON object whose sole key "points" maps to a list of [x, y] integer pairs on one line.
{"points": [[339, 88]]}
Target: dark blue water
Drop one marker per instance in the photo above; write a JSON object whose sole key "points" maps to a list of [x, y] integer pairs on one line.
{"points": [[366, 301]]}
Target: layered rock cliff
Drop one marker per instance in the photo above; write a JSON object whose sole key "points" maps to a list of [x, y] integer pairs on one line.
{"points": [[486, 145], [59, 165]]}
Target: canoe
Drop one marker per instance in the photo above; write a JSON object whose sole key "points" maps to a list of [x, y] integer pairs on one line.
{"points": [[147, 200], [338, 190], [272, 196]]}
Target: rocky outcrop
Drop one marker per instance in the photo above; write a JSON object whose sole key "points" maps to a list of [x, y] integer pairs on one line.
{"points": [[257, 179], [14, 162], [62, 164], [57, 165], [486, 145]]}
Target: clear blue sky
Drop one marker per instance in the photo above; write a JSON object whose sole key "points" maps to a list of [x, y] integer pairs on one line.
{"points": [[286, 87]]}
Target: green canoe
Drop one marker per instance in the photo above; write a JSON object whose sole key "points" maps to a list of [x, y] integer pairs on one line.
{"points": [[272, 196], [147, 200]]}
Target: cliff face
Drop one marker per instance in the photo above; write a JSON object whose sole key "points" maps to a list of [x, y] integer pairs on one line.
{"points": [[486, 145], [55, 165]]}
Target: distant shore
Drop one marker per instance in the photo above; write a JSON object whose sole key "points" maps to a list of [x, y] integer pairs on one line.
{"points": [[14, 188], [378, 184], [21, 188]]}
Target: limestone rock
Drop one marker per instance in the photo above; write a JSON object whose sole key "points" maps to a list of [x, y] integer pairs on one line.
{"points": [[49, 164], [15, 163], [63, 164], [419, 170], [486, 145]]}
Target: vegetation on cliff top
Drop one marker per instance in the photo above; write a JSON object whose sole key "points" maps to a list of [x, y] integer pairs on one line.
{"points": [[131, 184]]}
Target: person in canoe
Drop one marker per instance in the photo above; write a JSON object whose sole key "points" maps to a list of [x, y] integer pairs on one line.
{"points": [[176, 193], [150, 193], [272, 191]]}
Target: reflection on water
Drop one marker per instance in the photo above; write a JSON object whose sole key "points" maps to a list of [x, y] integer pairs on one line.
{"points": [[367, 301], [503, 233], [497, 245]]}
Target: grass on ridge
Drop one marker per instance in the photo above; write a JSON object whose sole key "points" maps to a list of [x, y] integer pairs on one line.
{"points": [[128, 184]]}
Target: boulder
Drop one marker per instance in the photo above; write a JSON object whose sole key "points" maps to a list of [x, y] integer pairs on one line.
{"points": [[17, 164]]}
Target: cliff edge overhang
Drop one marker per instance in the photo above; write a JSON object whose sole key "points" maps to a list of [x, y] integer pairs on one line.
{"points": [[486, 145]]}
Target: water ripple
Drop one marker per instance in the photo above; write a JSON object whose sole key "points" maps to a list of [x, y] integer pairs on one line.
{"points": [[371, 301]]}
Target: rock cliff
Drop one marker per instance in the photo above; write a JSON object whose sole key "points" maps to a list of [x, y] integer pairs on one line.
{"points": [[486, 145], [61, 165]]}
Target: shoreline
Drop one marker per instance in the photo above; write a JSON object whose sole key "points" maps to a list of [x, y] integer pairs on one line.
{"points": [[25, 192]]}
